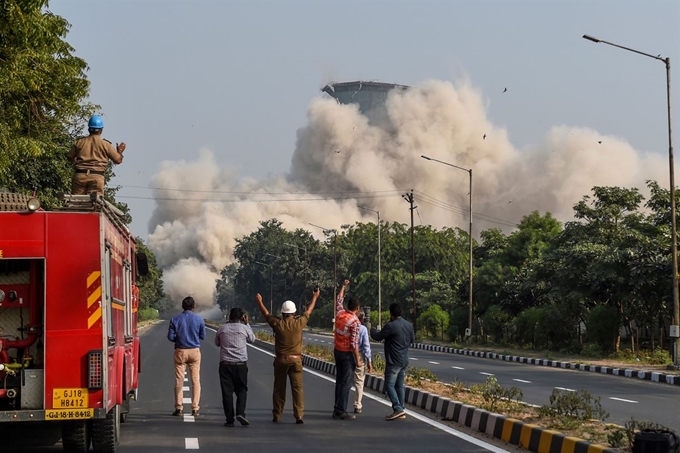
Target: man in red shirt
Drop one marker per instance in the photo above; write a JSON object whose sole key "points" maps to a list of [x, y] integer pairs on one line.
{"points": [[346, 352]]}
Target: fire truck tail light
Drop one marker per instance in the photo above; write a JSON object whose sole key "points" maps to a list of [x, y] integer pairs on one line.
{"points": [[95, 370]]}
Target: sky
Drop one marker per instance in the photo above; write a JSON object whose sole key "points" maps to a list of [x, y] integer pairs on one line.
{"points": [[203, 91]]}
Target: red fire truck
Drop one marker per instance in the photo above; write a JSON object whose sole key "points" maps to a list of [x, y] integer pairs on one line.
{"points": [[69, 350]]}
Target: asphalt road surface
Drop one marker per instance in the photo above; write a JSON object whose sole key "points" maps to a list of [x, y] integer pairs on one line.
{"points": [[622, 397], [151, 429]]}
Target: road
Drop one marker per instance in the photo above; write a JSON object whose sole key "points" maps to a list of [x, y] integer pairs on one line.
{"points": [[622, 397], [151, 429]]}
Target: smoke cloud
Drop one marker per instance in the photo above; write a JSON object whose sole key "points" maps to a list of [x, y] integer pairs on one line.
{"points": [[345, 160]]}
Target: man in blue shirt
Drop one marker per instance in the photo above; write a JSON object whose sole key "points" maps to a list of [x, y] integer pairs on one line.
{"points": [[186, 331], [398, 336], [360, 371]]}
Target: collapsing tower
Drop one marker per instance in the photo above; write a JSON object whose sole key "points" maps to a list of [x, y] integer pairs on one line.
{"points": [[370, 96]]}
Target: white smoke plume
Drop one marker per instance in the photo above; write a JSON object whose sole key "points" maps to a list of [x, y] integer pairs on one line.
{"points": [[339, 154]]}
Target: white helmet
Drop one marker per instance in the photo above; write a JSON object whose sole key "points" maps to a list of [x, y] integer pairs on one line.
{"points": [[288, 307]]}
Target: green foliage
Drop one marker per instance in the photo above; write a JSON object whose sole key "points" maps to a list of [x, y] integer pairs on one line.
{"points": [[496, 321], [617, 438], [378, 363], [591, 350], [414, 375], [603, 327], [146, 314], [434, 321], [656, 357], [494, 394], [43, 89], [151, 286], [579, 405]]}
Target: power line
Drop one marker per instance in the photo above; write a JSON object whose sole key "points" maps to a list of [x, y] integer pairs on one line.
{"points": [[262, 193], [459, 210], [218, 200]]}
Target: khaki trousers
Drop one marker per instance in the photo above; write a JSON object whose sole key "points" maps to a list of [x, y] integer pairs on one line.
{"points": [[83, 184], [192, 358], [359, 377], [291, 369]]}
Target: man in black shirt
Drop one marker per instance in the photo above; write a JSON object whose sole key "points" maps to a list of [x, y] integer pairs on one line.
{"points": [[398, 335]]}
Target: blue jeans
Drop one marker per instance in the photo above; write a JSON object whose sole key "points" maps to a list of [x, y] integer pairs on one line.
{"points": [[394, 386], [344, 378]]}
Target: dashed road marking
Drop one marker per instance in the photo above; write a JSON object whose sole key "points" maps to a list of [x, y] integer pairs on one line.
{"points": [[413, 358], [566, 390], [458, 367], [186, 400], [191, 443], [185, 388], [522, 381], [486, 374], [416, 415], [189, 418], [433, 363], [621, 399]]}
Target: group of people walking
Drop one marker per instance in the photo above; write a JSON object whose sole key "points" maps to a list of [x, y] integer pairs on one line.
{"points": [[352, 352]]}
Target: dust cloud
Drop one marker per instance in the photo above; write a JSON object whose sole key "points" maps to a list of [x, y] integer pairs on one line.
{"points": [[342, 161]]}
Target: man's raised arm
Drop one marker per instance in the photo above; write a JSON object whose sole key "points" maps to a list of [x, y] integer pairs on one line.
{"points": [[315, 296], [263, 309]]}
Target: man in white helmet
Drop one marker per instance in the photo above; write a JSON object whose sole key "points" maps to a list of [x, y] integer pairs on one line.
{"points": [[288, 361]]}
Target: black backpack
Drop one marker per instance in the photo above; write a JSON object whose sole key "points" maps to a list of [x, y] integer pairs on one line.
{"points": [[656, 441]]}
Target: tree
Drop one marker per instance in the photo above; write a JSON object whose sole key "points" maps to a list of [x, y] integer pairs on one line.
{"points": [[43, 87], [434, 321], [151, 294]]}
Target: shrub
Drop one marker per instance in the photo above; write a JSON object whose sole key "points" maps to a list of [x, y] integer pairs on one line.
{"points": [[415, 375], [146, 314], [493, 393], [591, 350], [580, 405], [633, 426]]}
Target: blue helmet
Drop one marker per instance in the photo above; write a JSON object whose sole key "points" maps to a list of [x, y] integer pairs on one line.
{"points": [[96, 122]]}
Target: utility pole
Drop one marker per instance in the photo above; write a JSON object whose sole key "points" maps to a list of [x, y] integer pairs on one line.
{"points": [[409, 197]]}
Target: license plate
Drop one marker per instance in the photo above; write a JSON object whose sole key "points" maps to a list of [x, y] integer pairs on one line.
{"points": [[69, 414], [70, 398]]}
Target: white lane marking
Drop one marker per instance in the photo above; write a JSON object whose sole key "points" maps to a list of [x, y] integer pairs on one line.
{"points": [[188, 400], [416, 415], [191, 443], [187, 379], [458, 367], [566, 390], [186, 388], [189, 418], [486, 374], [322, 341], [522, 381], [413, 358], [621, 399], [437, 363]]}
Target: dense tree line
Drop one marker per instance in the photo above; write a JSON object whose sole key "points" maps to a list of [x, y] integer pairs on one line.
{"points": [[543, 285]]}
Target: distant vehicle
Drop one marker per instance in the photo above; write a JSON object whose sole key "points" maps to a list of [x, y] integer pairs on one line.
{"points": [[69, 350]]}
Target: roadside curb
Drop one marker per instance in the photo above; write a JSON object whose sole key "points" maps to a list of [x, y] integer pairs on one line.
{"points": [[514, 432], [653, 376]]}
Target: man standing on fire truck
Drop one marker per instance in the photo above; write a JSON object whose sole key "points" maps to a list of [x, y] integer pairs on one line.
{"points": [[186, 331], [90, 156]]}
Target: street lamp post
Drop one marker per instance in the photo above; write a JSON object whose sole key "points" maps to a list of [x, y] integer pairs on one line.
{"points": [[304, 292], [335, 269], [271, 285], [285, 275], [379, 285], [675, 328], [469, 171]]}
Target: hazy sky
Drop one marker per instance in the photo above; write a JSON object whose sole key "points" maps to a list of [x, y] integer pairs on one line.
{"points": [[175, 77]]}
